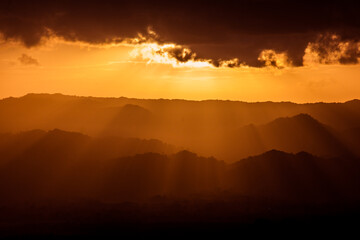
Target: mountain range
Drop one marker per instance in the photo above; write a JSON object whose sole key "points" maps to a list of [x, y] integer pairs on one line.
{"points": [[227, 130], [66, 165]]}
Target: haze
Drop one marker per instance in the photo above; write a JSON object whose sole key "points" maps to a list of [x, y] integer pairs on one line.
{"points": [[179, 117]]}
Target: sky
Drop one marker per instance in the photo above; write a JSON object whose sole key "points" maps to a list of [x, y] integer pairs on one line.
{"points": [[253, 51]]}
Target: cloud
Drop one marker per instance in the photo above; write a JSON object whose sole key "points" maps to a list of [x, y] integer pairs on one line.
{"points": [[214, 30], [154, 51], [28, 60], [270, 58], [331, 49]]}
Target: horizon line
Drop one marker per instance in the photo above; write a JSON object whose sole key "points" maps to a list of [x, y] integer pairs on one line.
{"points": [[176, 99]]}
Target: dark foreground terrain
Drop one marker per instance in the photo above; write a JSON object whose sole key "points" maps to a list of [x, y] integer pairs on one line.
{"points": [[176, 218]]}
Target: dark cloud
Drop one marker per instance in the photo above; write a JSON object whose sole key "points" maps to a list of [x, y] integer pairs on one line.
{"points": [[221, 30], [181, 54], [28, 60], [230, 63]]}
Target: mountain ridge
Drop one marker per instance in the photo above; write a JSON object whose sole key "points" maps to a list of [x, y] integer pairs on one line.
{"points": [[171, 99]]}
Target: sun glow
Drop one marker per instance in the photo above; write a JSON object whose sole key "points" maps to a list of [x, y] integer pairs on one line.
{"points": [[155, 53], [145, 68]]}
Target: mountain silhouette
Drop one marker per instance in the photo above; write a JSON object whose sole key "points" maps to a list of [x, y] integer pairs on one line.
{"points": [[131, 121], [290, 134], [228, 130], [301, 177]]}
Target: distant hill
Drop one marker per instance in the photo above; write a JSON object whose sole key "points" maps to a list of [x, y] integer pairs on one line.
{"points": [[131, 121], [60, 144], [289, 134]]}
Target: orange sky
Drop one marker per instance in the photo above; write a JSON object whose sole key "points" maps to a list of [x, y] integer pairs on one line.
{"points": [[116, 70]]}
